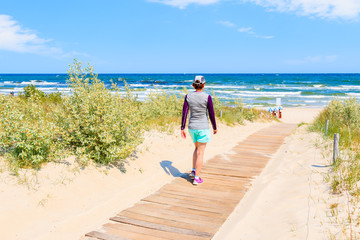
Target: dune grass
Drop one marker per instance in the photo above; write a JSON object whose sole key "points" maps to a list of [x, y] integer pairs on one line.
{"points": [[344, 179], [93, 123]]}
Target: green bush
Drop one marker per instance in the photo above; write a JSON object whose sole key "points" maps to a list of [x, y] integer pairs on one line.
{"points": [[98, 124], [27, 133], [31, 91], [344, 118]]}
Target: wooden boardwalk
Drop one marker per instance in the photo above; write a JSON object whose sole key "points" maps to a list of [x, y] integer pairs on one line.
{"points": [[180, 210]]}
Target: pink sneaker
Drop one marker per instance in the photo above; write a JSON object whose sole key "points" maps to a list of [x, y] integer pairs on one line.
{"points": [[197, 181], [192, 174]]}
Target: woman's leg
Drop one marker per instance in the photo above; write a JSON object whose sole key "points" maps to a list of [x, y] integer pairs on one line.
{"points": [[198, 157], [195, 155]]}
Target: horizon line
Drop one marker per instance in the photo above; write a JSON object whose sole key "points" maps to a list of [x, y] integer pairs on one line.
{"points": [[217, 73]]}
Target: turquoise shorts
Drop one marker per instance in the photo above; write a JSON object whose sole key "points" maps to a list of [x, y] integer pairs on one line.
{"points": [[202, 136]]}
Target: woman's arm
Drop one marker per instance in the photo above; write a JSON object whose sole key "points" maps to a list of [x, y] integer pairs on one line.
{"points": [[184, 113], [210, 108]]}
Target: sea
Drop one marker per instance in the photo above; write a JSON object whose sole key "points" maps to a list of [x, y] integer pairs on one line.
{"points": [[255, 90]]}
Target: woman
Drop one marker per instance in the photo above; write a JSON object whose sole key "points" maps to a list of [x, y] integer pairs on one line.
{"points": [[200, 104]]}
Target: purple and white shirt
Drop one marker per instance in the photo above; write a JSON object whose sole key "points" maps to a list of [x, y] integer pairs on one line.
{"points": [[201, 106]]}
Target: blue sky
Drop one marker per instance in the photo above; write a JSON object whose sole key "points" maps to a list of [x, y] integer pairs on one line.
{"points": [[177, 36]]}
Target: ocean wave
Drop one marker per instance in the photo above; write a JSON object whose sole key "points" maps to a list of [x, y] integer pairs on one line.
{"points": [[226, 86], [318, 85], [39, 83], [352, 94], [32, 82], [351, 87], [306, 93], [223, 91], [266, 94], [139, 85], [172, 86]]}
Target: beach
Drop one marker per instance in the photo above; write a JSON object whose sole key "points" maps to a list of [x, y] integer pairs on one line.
{"points": [[65, 201], [93, 97]]}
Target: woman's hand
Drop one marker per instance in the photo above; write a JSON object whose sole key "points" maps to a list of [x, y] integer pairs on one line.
{"points": [[183, 134], [215, 131]]}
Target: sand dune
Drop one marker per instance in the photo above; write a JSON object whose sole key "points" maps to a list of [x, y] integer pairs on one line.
{"points": [[64, 201]]}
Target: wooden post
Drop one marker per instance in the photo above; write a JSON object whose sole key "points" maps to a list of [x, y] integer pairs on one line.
{"points": [[220, 113], [336, 147], [326, 127]]}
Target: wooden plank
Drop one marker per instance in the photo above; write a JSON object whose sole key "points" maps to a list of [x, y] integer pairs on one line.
{"points": [[200, 196], [185, 203], [176, 213], [234, 167], [171, 222], [239, 158], [104, 236], [238, 164], [268, 136], [256, 148], [261, 140], [208, 182], [268, 152], [253, 151], [113, 226], [214, 180], [208, 189], [249, 153], [213, 184], [209, 193], [228, 172], [161, 227], [201, 201], [129, 234]]}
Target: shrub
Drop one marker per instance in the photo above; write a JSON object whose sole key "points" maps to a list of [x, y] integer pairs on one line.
{"points": [[161, 110], [27, 133], [98, 124], [31, 91], [344, 118]]}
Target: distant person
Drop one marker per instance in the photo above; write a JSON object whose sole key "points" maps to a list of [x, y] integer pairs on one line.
{"points": [[12, 94], [201, 106]]}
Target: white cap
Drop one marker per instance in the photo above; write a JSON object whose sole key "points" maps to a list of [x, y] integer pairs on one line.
{"points": [[199, 79]]}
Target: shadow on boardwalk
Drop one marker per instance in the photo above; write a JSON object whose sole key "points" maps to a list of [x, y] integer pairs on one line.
{"points": [[171, 170]]}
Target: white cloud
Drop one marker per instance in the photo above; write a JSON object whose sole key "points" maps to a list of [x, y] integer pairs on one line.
{"points": [[15, 38], [331, 58], [246, 30], [184, 3], [227, 23], [249, 30], [347, 9], [266, 37], [312, 60]]}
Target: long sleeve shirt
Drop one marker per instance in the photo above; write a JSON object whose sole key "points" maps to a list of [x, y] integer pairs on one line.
{"points": [[201, 109]]}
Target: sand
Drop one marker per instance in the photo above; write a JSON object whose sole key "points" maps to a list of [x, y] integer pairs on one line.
{"points": [[65, 201]]}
